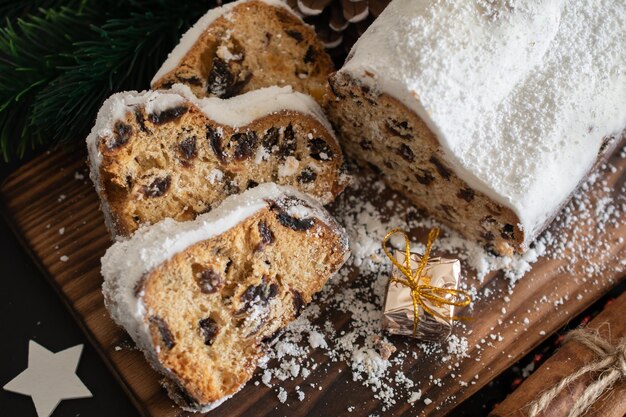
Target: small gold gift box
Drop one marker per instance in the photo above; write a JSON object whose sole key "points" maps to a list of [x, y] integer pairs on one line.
{"points": [[422, 293]]}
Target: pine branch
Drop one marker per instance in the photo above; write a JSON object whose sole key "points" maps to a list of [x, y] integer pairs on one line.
{"points": [[29, 58], [58, 66]]}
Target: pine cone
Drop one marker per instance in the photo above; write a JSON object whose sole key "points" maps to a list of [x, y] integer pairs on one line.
{"points": [[339, 23]]}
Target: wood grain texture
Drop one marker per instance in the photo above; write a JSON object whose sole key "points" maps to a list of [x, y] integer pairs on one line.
{"points": [[572, 356], [45, 195]]}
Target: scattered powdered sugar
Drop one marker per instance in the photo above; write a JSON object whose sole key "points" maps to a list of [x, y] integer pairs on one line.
{"points": [[353, 338]]}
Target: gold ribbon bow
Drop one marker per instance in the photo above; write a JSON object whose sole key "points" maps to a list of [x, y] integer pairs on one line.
{"points": [[421, 292]]}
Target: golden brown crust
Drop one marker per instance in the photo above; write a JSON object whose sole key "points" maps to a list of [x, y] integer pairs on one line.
{"points": [[214, 307], [189, 164], [258, 45], [398, 144]]}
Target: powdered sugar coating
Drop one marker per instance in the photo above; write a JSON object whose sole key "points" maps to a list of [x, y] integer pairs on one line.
{"points": [[519, 93], [127, 262], [191, 36], [235, 112]]}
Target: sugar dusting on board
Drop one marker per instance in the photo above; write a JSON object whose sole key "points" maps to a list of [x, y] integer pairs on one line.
{"points": [[389, 366]]}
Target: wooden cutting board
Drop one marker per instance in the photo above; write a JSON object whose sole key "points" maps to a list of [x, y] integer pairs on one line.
{"points": [[47, 194]]}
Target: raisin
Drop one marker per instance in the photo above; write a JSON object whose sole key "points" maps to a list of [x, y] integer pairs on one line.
{"points": [[251, 184], [389, 164], [298, 302], [488, 236], [121, 133], [366, 144], [215, 140], [220, 78], [193, 80], [424, 176], [231, 187], [333, 88], [266, 235], [508, 232], [141, 121], [209, 281], [157, 187], [299, 225], [288, 147], [209, 329], [320, 150], [395, 132], [237, 87], [188, 147], [164, 331], [245, 145], [448, 211], [296, 35], [270, 139], [310, 55], [168, 115], [441, 169], [261, 293], [406, 152], [307, 176], [466, 194], [375, 168]]}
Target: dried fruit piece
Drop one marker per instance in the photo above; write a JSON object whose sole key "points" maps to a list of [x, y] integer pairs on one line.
{"points": [[295, 35], [251, 184], [310, 55], [406, 153], [121, 134], [441, 169], [508, 232], [193, 80], [164, 331], [393, 131], [466, 194], [141, 121], [298, 302], [307, 176], [288, 146], [320, 150], [215, 140], [366, 144], [299, 225], [167, 115], [188, 147], [270, 139], [266, 235], [220, 78], [157, 187], [209, 330], [424, 176], [209, 281], [245, 144], [261, 294]]}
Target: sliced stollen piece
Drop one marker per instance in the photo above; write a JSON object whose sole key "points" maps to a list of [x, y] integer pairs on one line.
{"points": [[202, 299], [244, 46], [486, 114], [159, 154]]}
